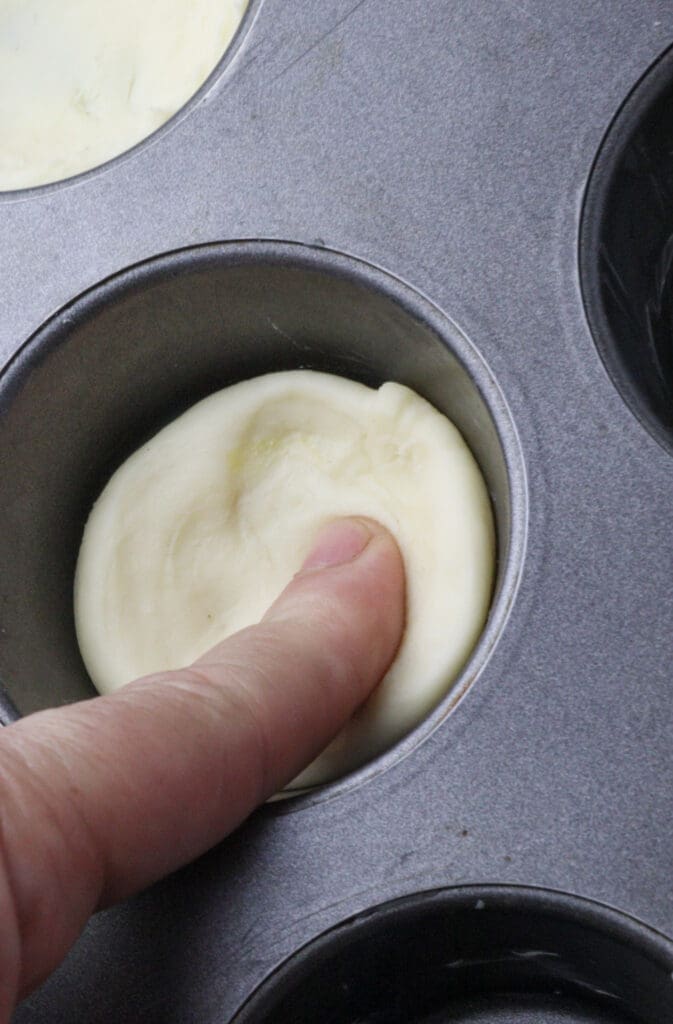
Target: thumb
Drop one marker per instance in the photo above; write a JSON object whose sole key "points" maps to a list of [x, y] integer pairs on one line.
{"points": [[101, 798]]}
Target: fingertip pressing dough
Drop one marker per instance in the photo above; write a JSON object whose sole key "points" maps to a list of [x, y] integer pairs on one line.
{"points": [[200, 530], [81, 82]]}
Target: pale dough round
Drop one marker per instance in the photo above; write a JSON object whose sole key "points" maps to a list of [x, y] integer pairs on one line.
{"points": [[199, 531], [84, 80]]}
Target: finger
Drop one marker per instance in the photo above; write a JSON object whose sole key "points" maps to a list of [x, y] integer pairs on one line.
{"points": [[103, 797]]}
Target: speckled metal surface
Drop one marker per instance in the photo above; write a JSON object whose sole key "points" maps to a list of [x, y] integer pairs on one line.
{"points": [[449, 143]]}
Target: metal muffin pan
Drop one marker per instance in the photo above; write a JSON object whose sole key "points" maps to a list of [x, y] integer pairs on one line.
{"points": [[450, 144]]}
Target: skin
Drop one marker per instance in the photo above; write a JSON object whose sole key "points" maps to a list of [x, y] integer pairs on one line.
{"points": [[102, 798]]}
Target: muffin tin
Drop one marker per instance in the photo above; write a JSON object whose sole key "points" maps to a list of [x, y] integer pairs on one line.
{"points": [[386, 188]]}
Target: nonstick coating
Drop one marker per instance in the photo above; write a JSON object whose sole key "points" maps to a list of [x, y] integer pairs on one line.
{"points": [[450, 144]]}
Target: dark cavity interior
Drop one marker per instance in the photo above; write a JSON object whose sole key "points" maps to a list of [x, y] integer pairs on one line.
{"points": [[483, 956], [626, 253]]}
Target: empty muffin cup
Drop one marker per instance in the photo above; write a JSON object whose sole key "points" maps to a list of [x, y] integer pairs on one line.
{"points": [[125, 358], [626, 251], [483, 955]]}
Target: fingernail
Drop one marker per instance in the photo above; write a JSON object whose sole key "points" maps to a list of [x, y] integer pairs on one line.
{"points": [[338, 543]]}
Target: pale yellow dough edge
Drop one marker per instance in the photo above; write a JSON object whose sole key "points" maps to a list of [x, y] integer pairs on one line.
{"points": [[200, 530]]}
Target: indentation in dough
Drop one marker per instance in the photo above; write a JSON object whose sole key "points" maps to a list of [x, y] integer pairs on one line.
{"points": [[199, 531]]}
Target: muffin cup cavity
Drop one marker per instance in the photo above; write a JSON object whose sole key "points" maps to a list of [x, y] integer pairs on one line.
{"points": [[626, 251], [479, 954], [126, 357]]}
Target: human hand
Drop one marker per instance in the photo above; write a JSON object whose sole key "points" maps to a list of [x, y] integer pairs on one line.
{"points": [[102, 798]]}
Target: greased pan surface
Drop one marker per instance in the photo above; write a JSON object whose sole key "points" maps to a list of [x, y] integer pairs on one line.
{"points": [[451, 145]]}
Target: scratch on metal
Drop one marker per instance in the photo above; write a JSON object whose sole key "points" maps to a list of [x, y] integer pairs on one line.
{"points": [[321, 39]]}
